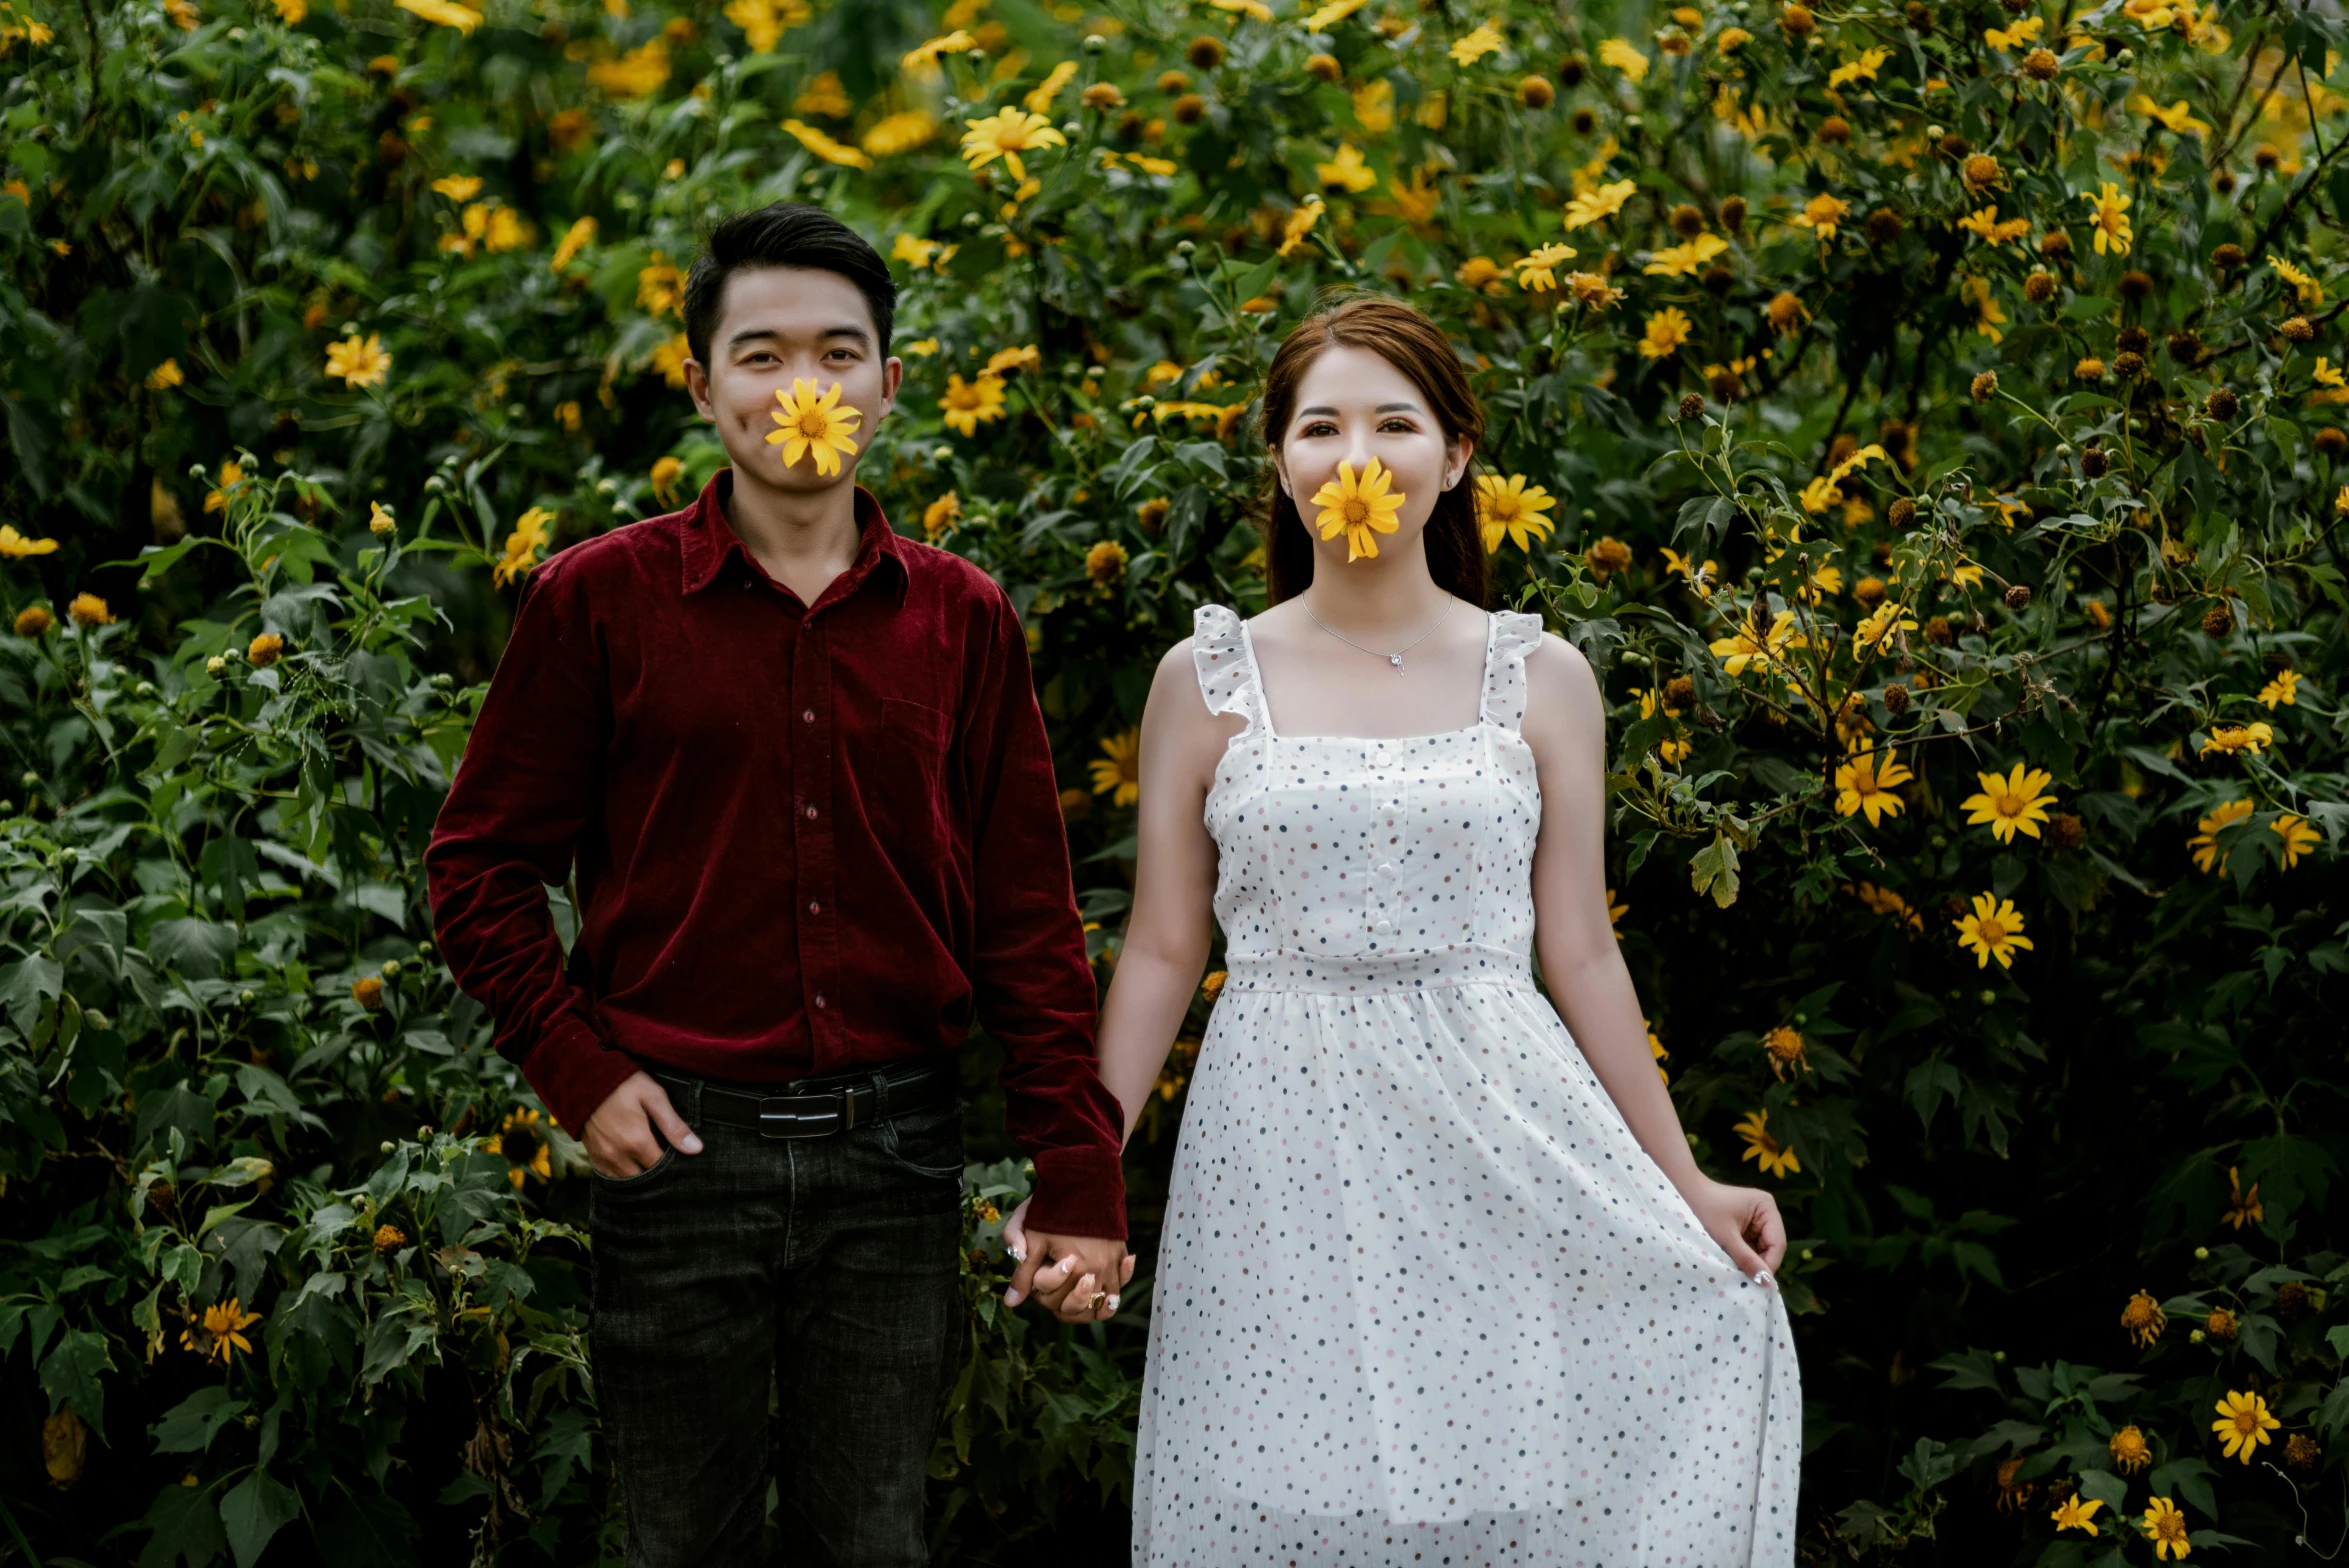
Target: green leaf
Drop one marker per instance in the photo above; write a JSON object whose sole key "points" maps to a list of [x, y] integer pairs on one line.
{"points": [[69, 1375], [189, 1426], [1713, 870], [25, 984], [255, 1511]]}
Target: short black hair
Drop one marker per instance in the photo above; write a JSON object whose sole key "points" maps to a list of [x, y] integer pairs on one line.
{"points": [[783, 234]]}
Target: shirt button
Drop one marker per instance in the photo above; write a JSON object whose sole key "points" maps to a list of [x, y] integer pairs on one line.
{"points": [[808, 715], [1383, 927], [1386, 868], [811, 811], [815, 906], [819, 999]]}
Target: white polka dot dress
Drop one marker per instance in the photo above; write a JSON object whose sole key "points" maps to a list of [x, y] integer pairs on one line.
{"points": [[1421, 1297]]}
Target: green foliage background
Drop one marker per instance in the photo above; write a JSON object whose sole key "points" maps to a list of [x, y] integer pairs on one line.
{"points": [[209, 857]]}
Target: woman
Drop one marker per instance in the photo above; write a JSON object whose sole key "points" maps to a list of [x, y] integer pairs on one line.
{"points": [[1440, 1280]]}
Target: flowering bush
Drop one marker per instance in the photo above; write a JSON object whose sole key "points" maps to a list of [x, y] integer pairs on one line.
{"points": [[1921, 414]]}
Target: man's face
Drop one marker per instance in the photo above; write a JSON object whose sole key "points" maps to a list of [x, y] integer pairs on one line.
{"points": [[777, 325]]}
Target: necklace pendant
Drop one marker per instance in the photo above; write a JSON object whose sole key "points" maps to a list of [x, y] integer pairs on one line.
{"points": [[1395, 659]]}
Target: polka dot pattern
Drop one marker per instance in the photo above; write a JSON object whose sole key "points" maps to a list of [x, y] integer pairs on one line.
{"points": [[1421, 1297]]}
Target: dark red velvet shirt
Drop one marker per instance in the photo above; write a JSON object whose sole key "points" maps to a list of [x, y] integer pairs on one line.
{"points": [[808, 837]]}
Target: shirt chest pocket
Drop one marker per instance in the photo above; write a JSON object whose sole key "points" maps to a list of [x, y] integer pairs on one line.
{"points": [[908, 781]]}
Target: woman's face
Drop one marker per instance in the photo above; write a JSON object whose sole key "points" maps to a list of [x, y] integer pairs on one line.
{"points": [[1354, 405]]}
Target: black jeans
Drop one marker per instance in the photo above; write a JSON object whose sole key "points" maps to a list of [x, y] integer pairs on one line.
{"points": [[833, 1265]]}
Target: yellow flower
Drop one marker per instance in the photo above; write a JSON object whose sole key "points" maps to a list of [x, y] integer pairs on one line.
{"points": [[2143, 1318], [903, 132], [2298, 836], [1512, 509], [1330, 15], [639, 73], [1105, 563], [1615, 913], [507, 230], [1374, 107], [1591, 290], [222, 1333], [575, 239], [764, 22], [2009, 39], [18, 546], [1678, 261], [1744, 648], [969, 405], [1863, 782], [813, 426], [2165, 1526], [1117, 772], [2013, 804], [1347, 171], [165, 376], [1472, 47], [1040, 98], [941, 515], [2204, 843], [1599, 203], [1889, 617], [1863, 69], [265, 650], [1821, 214], [2175, 118], [922, 63], [826, 148], [1254, 10], [2311, 292], [2231, 738], [669, 357], [291, 12], [660, 287], [380, 521], [1618, 53], [1761, 1147], [1356, 506], [1986, 223], [2076, 1513], [361, 362], [89, 611], [463, 18], [1787, 313], [522, 546], [1992, 930], [2242, 1209], [2130, 1452], [1299, 224], [524, 1144], [1027, 357], [1006, 135], [232, 474], [1666, 330], [2111, 220], [1535, 273], [389, 1238], [1785, 1049], [2243, 1424]]}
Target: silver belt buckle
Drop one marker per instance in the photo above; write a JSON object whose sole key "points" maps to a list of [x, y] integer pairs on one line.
{"points": [[801, 1115]]}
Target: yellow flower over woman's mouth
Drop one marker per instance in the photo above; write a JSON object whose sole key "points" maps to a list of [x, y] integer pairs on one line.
{"points": [[813, 424], [1357, 506]]}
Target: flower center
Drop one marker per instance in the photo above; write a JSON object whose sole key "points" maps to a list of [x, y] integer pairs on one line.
{"points": [[814, 425], [1357, 511], [2010, 805], [1992, 933]]}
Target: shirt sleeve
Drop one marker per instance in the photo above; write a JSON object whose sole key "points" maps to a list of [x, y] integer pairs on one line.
{"points": [[526, 790], [1033, 985]]}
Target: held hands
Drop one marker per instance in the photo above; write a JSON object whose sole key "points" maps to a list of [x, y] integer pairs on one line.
{"points": [[619, 1136], [1744, 1220], [1078, 1277]]}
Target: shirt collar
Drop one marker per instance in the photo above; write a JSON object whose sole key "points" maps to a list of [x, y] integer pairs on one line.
{"points": [[709, 543]]}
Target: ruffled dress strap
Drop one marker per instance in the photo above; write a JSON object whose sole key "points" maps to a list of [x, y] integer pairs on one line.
{"points": [[1516, 633], [1227, 672]]}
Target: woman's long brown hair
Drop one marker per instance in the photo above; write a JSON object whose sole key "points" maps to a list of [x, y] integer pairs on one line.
{"points": [[1417, 347]]}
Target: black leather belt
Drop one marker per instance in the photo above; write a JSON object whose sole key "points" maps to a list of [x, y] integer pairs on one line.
{"points": [[815, 1113]]}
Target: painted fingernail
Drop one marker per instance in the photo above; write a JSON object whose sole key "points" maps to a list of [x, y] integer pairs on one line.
{"points": [[1018, 1254], [692, 1144], [1111, 1303], [1764, 1278], [1011, 1298]]}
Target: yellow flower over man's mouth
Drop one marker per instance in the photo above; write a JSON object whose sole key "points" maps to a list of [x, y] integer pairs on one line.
{"points": [[1357, 506], [813, 425]]}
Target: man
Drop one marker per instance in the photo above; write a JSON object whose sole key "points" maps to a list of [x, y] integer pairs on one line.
{"points": [[799, 765]]}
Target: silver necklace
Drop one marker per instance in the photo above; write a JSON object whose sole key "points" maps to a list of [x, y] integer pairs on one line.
{"points": [[1395, 658]]}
